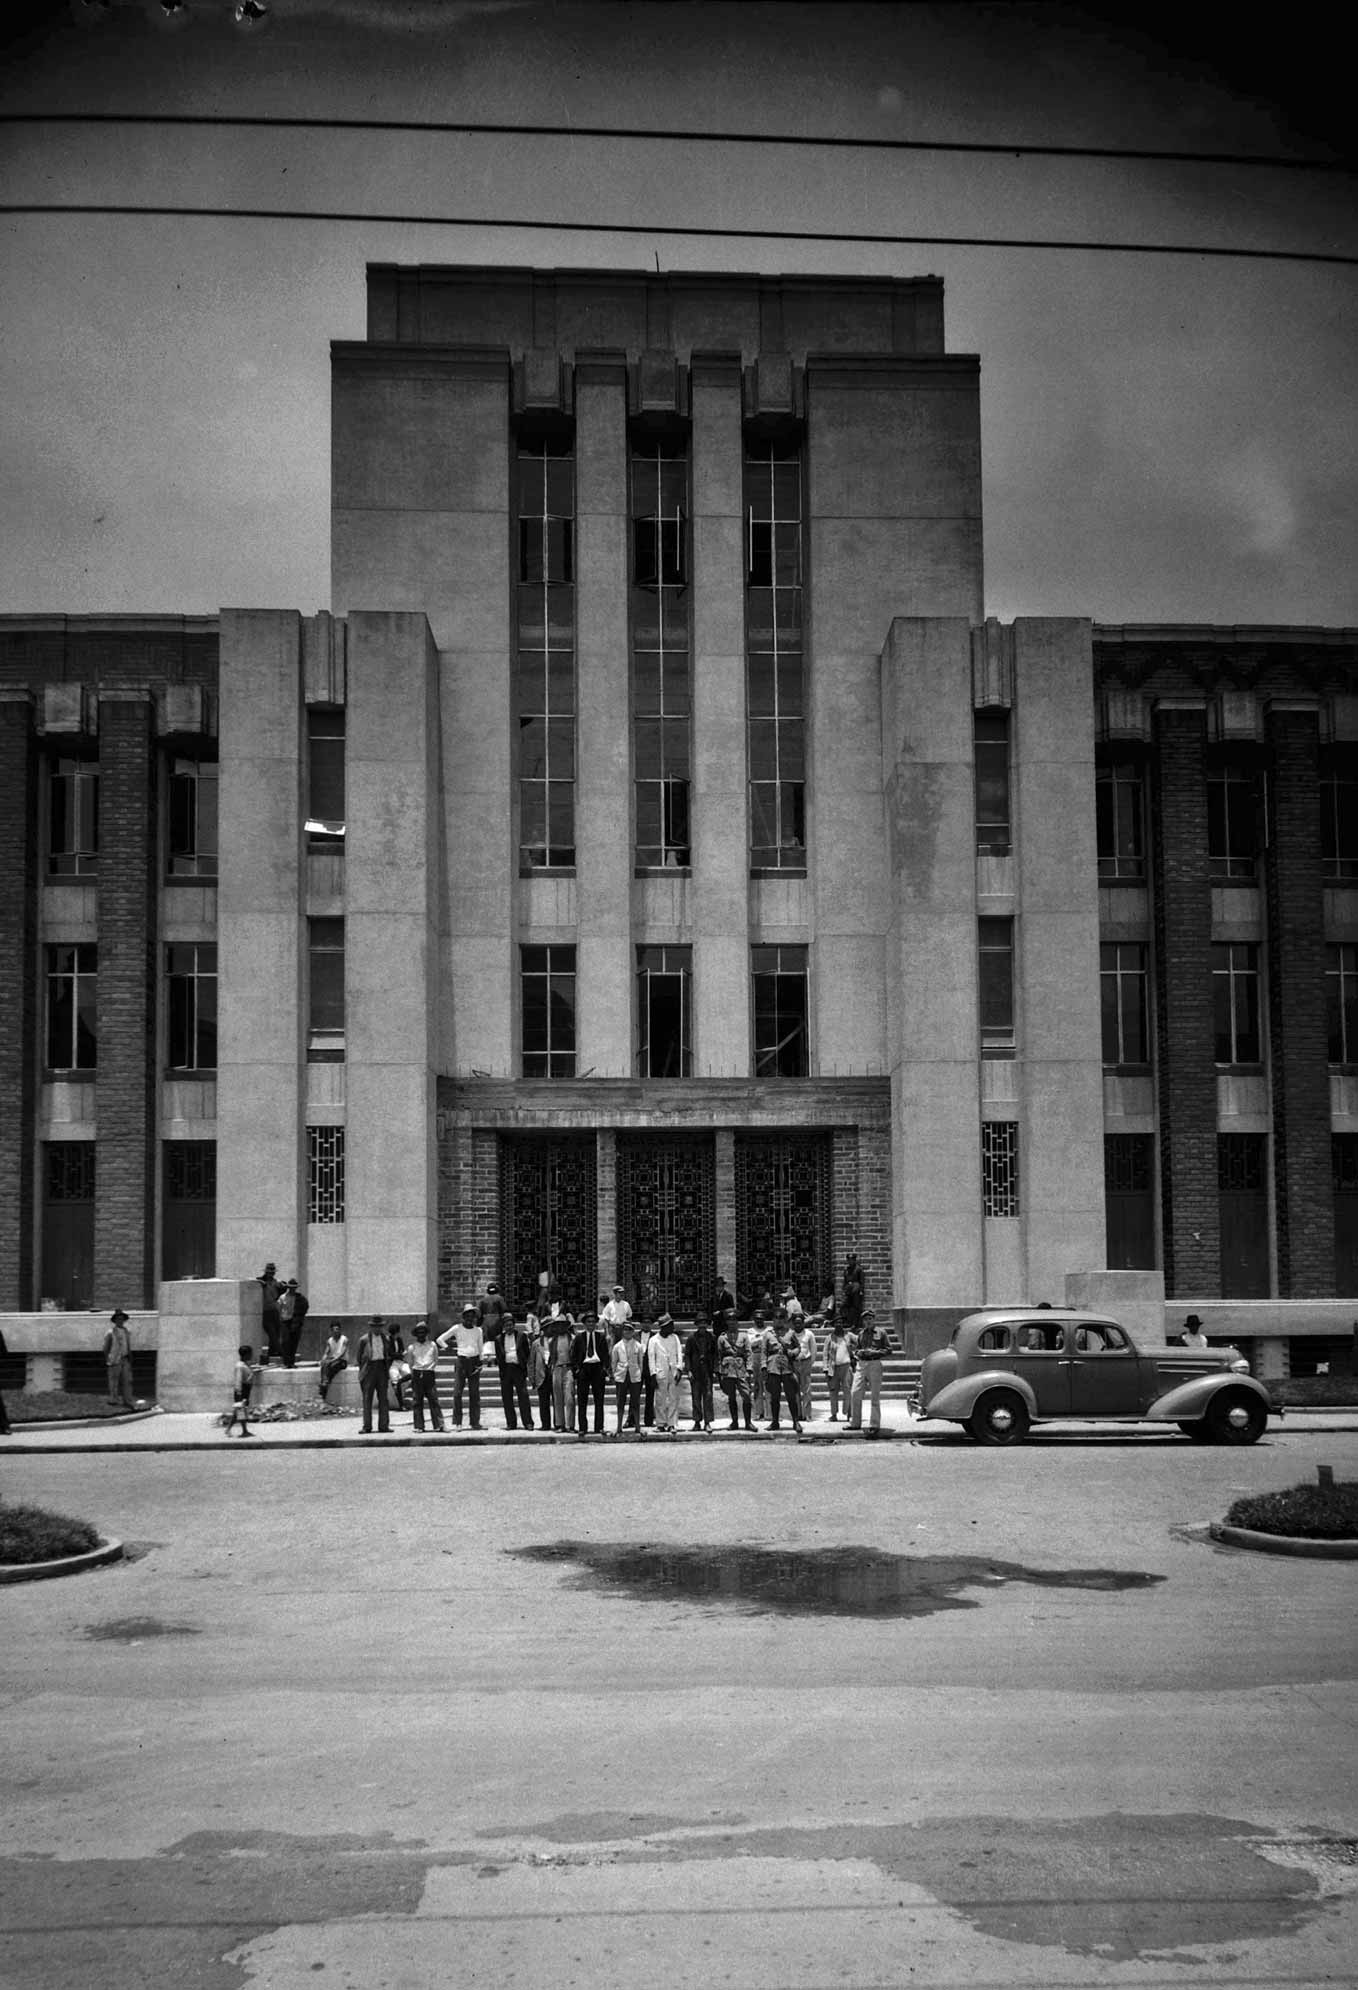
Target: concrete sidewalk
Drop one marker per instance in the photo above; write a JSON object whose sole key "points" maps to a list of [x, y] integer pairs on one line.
{"points": [[199, 1430]]}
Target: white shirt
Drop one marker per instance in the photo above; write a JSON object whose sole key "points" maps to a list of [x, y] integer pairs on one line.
{"points": [[469, 1341], [616, 1314], [665, 1352]]}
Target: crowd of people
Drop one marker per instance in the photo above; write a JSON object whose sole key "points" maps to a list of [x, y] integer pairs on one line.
{"points": [[763, 1358]]}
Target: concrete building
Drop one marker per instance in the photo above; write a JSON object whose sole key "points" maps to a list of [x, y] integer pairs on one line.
{"points": [[656, 865]]}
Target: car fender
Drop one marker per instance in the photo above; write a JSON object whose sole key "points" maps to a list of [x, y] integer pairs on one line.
{"points": [[1187, 1401], [956, 1400]]}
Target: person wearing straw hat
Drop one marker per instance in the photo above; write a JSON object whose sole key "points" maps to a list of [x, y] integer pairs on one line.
{"points": [[118, 1360]]}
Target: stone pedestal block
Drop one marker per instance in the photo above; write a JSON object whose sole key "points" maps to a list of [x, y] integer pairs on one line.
{"points": [[202, 1323]]}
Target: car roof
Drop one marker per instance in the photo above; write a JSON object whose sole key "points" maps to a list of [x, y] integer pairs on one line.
{"points": [[1002, 1315]]}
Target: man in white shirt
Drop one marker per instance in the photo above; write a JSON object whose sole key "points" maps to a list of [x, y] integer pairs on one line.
{"points": [[665, 1354], [616, 1313], [469, 1342], [423, 1355], [627, 1379]]}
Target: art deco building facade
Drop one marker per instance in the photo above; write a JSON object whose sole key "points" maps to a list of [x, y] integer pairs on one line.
{"points": [[657, 865]]}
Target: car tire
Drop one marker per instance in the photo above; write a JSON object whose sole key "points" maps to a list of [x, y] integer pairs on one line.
{"points": [[1197, 1430], [1000, 1417], [1234, 1417]]}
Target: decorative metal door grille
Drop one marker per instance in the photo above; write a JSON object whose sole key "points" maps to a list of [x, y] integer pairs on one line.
{"points": [[325, 1174], [70, 1171], [549, 1220], [667, 1226], [783, 1214], [1127, 1161]]}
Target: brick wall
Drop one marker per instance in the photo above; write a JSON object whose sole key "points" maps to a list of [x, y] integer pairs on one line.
{"points": [[1296, 1005], [18, 1000], [469, 1214], [862, 1210], [125, 1078], [1185, 1068]]}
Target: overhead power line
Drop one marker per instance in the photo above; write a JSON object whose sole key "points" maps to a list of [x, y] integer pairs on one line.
{"points": [[831, 235], [636, 134]]}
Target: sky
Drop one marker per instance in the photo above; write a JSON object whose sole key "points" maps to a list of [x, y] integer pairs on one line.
{"points": [[1164, 437]]}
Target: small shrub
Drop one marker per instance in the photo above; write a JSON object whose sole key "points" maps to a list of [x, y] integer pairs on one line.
{"points": [[1310, 1512], [31, 1534]]}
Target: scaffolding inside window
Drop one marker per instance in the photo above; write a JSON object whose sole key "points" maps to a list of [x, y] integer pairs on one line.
{"points": [[999, 1167], [325, 1174]]}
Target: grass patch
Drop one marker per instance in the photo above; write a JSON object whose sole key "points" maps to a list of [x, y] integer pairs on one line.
{"points": [[51, 1405], [32, 1534], [1309, 1512]]}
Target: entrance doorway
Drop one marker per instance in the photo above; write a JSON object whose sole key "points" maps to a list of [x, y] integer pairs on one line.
{"points": [[783, 1214], [548, 1215], [667, 1228]]}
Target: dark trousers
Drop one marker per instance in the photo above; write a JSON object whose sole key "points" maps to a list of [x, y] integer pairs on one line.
{"points": [[700, 1391], [468, 1376], [424, 1388], [545, 1401], [372, 1382], [329, 1370], [628, 1394], [291, 1337], [589, 1381], [736, 1396], [514, 1389], [269, 1323], [787, 1384], [648, 1398]]}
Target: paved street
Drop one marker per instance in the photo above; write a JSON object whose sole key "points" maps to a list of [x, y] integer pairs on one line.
{"points": [[333, 1723]]}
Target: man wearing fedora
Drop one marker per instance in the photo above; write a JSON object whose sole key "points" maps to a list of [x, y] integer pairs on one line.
{"points": [[118, 1358], [1192, 1334], [375, 1351]]}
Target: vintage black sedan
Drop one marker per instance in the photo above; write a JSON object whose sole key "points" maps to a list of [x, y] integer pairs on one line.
{"points": [[1007, 1370]]}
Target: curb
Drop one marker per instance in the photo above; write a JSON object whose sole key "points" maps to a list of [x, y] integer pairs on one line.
{"points": [[1284, 1544], [445, 1440], [89, 1422], [93, 1558]]}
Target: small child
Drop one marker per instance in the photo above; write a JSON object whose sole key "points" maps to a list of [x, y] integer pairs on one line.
{"points": [[242, 1381]]}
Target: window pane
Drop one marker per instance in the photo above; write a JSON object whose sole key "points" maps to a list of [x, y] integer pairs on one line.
{"points": [[532, 748], [763, 749]]}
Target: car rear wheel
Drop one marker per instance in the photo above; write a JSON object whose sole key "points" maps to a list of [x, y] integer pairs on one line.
{"points": [[999, 1418], [1233, 1417]]}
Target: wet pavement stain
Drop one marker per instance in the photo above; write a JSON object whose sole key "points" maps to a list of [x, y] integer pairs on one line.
{"points": [[814, 1582], [132, 1630], [1119, 1887]]}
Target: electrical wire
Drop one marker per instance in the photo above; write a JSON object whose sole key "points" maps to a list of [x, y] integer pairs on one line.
{"points": [[830, 235], [672, 136]]}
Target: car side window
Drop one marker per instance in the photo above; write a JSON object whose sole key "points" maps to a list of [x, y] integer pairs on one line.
{"points": [[1100, 1340], [1043, 1337], [993, 1340]]}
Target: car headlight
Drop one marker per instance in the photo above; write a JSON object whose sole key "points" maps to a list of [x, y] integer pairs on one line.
{"points": [[1240, 1366]]}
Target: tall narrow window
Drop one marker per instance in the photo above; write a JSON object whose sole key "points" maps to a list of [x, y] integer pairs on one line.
{"points": [[1121, 821], [661, 667], [1339, 811], [775, 691], [999, 1167], [191, 1005], [325, 777], [545, 650], [665, 1045], [547, 989], [73, 818], [189, 1209], [1235, 1003], [1232, 819], [1341, 1003], [1129, 1200], [325, 1174], [991, 747], [995, 947], [71, 990], [1122, 983], [191, 833], [325, 987], [781, 1037]]}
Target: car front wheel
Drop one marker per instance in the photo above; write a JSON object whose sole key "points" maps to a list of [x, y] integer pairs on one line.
{"points": [[1235, 1418], [999, 1418], [1197, 1431]]}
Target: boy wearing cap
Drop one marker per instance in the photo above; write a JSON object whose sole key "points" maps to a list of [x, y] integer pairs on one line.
{"points": [[615, 1312]]}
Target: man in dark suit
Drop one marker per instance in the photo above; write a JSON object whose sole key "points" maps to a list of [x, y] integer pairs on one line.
{"points": [[511, 1358], [591, 1357]]}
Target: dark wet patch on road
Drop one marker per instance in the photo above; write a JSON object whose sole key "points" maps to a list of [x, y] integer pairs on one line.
{"points": [[599, 1827], [134, 1630], [1119, 1887], [846, 1582], [175, 1915]]}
